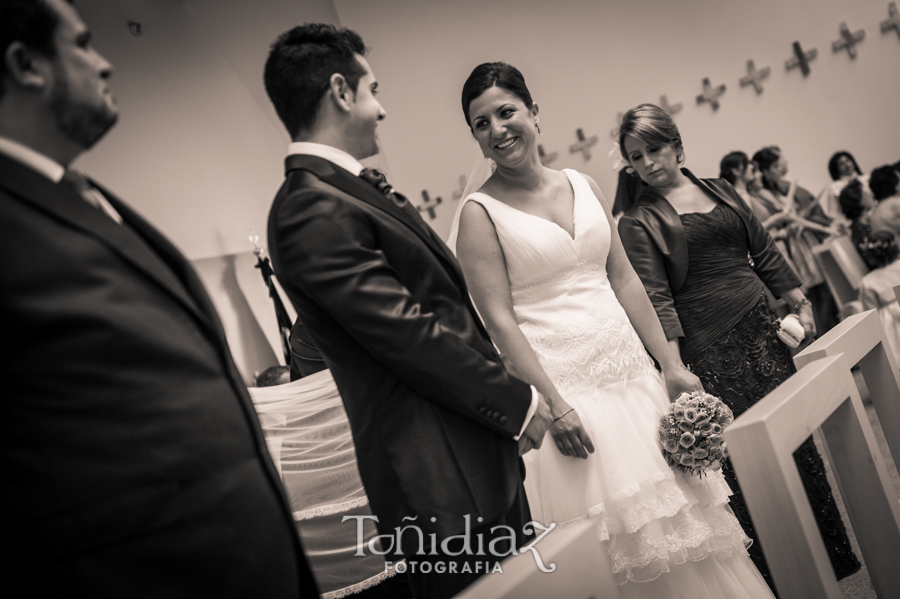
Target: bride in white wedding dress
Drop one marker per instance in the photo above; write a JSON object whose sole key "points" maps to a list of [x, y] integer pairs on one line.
{"points": [[569, 315]]}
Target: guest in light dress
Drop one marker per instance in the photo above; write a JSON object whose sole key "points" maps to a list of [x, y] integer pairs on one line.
{"points": [[876, 290]]}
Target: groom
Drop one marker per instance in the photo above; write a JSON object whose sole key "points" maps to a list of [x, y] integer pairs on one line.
{"points": [[434, 414]]}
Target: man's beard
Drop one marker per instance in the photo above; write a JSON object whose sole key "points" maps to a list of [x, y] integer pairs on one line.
{"points": [[82, 123]]}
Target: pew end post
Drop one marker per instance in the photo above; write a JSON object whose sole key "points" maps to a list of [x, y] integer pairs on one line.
{"points": [[761, 443]]}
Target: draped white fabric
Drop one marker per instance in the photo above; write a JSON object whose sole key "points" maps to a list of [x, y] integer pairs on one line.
{"points": [[308, 436]]}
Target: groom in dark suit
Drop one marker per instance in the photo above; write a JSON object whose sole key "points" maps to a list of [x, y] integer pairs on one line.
{"points": [[434, 414], [133, 464]]}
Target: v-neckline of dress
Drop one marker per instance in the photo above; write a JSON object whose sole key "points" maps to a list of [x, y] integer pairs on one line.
{"points": [[575, 230]]}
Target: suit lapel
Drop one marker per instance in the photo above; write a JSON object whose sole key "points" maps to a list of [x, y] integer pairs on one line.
{"points": [[135, 245], [174, 263], [358, 188]]}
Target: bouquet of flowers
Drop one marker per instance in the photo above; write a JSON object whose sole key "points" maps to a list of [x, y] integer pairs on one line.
{"points": [[691, 432]]}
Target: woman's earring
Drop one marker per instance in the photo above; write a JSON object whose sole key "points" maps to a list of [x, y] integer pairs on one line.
{"points": [[537, 125], [680, 158]]}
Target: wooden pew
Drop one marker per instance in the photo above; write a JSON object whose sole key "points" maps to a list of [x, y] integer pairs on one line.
{"points": [[581, 570], [843, 269], [761, 443], [861, 339]]}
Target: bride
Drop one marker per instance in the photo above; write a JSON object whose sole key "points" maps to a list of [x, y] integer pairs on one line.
{"points": [[570, 316]]}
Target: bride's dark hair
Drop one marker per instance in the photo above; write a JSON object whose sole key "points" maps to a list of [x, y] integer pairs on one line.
{"points": [[489, 74]]}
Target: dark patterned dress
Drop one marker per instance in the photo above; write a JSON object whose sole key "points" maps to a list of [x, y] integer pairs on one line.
{"points": [[731, 344]]}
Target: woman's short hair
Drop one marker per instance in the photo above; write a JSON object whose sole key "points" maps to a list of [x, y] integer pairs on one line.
{"points": [[490, 74], [883, 182], [650, 124], [734, 160], [767, 157], [851, 200], [764, 159], [833, 164]]}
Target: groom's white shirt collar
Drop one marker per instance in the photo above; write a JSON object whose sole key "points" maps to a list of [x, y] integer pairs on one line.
{"points": [[30, 158], [329, 153]]}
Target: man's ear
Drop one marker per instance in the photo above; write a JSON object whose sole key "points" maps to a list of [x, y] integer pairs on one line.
{"points": [[25, 67], [341, 92]]}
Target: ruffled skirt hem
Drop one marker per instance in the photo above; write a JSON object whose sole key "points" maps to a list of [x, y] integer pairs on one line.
{"points": [[649, 517]]}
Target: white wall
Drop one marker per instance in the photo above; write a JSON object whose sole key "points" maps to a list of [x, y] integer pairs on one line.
{"points": [[587, 61], [238, 293], [198, 148]]}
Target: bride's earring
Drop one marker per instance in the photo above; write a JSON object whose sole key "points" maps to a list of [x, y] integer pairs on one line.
{"points": [[537, 125]]}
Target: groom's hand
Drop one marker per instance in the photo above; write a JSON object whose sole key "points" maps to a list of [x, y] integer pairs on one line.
{"points": [[537, 428]]}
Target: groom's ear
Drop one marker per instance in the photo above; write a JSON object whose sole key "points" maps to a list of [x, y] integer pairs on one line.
{"points": [[341, 92]]}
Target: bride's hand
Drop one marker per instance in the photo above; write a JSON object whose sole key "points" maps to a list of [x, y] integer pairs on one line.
{"points": [[568, 433], [681, 380]]}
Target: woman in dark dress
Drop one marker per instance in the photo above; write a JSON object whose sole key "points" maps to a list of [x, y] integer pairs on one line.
{"points": [[705, 260]]}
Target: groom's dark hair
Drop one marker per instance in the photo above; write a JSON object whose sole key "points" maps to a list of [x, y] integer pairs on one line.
{"points": [[299, 69]]}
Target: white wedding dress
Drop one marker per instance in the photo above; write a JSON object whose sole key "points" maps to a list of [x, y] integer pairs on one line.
{"points": [[666, 534]]}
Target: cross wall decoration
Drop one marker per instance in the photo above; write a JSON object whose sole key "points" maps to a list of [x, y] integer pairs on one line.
{"points": [[711, 94], [583, 145], [428, 206], [848, 40], [801, 59], [893, 21], [755, 77], [671, 109], [546, 158]]}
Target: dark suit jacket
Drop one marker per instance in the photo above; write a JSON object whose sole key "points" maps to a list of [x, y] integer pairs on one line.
{"points": [[133, 462], [306, 359], [654, 240], [432, 410]]}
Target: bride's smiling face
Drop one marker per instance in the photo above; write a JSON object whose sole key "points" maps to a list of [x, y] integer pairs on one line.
{"points": [[503, 126]]}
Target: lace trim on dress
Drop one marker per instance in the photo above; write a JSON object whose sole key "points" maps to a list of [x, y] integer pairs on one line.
{"points": [[327, 510], [668, 518], [363, 585], [583, 355]]}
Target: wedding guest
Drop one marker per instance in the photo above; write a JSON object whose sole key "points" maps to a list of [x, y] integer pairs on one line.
{"points": [[744, 176], [885, 185], [802, 236], [133, 462], [438, 422], [688, 239], [876, 290], [857, 209], [843, 168], [563, 304]]}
